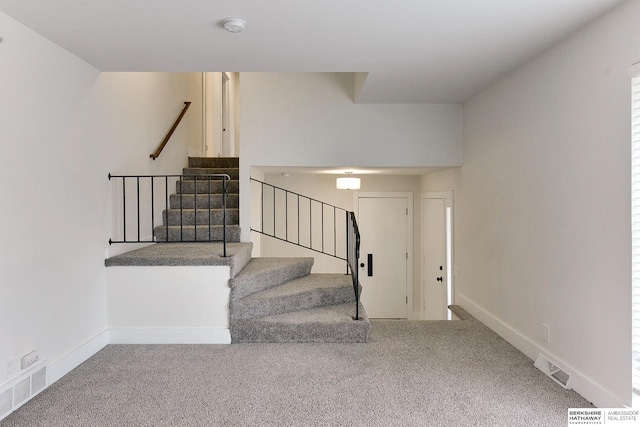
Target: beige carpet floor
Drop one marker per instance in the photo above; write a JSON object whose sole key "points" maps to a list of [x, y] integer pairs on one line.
{"points": [[456, 373]]}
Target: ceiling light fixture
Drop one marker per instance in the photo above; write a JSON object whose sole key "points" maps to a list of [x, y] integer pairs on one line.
{"points": [[348, 182], [234, 25]]}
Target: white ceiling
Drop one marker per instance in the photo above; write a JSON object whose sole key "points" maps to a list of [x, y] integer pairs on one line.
{"points": [[415, 51]]}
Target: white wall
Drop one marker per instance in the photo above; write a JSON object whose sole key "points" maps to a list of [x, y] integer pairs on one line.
{"points": [[542, 205], [194, 118], [160, 304], [310, 119], [64, 126]]}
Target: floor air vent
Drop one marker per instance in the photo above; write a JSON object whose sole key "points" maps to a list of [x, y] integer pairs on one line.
{"points": [[553, 371], [22, 389]]}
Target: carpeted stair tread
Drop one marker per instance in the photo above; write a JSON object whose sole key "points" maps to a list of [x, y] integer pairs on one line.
{"points": [[313, 290], [214, 162], [324, 324], [234, 173], [202, 201], [200, 233], [182, 254], [263, 273], [188, 186], [201, 216]]}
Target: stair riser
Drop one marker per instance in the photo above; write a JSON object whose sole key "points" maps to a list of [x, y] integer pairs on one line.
{"points": [[241, 286], [214, 162], [202, 217], [200, 235], [203, 201], [189, 187], [242, 310], [233, 173], [247, 331]]}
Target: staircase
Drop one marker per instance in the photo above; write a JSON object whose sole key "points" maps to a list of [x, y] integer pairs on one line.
{"points": [[195, 210], [279, 300], [271, 299]]}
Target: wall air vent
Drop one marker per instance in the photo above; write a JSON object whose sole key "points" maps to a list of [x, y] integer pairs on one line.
{"points": [[6, 403], [23, 388], [553, 371]]}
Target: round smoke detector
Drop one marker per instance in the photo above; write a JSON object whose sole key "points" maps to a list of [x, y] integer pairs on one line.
{"points": [[234, 25]]}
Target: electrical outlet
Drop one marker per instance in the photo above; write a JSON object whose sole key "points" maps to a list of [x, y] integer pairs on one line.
{"points": [[546, 333], [29, 359]]}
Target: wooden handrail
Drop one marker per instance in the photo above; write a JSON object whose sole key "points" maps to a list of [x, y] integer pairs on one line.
{"points": [[156, 153]]}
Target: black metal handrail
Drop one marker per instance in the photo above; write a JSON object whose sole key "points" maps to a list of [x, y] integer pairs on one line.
{"points": [[282, 216], [353, 254], [148, 200]]}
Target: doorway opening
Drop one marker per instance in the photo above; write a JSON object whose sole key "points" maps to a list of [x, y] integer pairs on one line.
{"points": [[437, 255], [220, 93]]}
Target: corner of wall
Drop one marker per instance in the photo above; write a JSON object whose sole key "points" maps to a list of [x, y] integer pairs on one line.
{"points": [[585, 386]]}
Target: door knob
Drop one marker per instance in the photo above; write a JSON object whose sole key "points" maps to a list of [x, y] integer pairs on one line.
{"points": [[362, 264], [439, 279]]}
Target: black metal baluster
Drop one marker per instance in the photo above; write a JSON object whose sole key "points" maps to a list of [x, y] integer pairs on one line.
{"points": [[181, 191], [335, 236], [209, 192], [310, 224], [274, 211], [322, 225], [153, 220], [224, 217], [348, 239], [138, 201], [286, 215], [124, 208], [111, 238], [298, 219], [195, 208], [166, 205]]}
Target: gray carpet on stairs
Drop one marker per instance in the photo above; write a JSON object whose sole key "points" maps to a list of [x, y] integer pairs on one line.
{"points": [[310, 291], [432, 373], [198, 233], [180, 254], [332, 323], [277, 300], [264, 273]]}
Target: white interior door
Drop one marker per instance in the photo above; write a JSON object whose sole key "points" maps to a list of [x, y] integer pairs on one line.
{"points": [[212, 119], [226, 149], [208, 136], [435, 259], [383, 255]]}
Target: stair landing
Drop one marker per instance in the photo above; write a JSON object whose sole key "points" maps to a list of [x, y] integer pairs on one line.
{"points": [[181, 254]]}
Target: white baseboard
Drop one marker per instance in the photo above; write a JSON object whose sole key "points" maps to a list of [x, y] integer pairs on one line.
{"points": [[73, 359], [170, 336], [582, 384]]}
